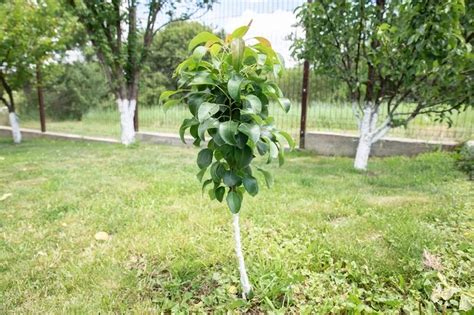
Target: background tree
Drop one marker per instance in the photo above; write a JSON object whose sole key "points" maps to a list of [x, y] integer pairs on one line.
{"points": [[168, 49], [122, 43], [30, 34], [412, 57], [228, 87]]}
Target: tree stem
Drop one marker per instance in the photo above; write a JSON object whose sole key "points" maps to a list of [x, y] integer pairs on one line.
{"points": [[244, 280]]}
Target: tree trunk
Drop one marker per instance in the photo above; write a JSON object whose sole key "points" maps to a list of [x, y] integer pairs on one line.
{"points": [[127, 112], [370, 133], [367, 125], [363, 152], [15, 125], [244, 280]]}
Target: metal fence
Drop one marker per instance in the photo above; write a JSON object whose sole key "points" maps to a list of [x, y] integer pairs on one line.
{"points": [[275, 20]]}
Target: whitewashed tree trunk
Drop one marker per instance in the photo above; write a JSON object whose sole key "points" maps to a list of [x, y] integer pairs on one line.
{"points": [[15, 125], [127, 111], [369, 134], [244, 280], [365, 139]]}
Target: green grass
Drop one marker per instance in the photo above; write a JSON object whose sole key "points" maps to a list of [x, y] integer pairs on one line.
{"points": [[325, 238], [321, 117]]}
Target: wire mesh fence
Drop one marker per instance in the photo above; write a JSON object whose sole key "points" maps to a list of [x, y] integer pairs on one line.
{"points": [[274, 19]]}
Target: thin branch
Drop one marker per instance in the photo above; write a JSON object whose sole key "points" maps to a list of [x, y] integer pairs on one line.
{"points": [[381, 130], [4, 101]]}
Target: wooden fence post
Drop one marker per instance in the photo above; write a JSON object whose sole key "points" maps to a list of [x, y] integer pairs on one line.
{"points": [[39, 89], [304, 101]]}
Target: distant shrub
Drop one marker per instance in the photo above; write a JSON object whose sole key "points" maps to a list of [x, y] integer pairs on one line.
{"points": [[465, 158]]}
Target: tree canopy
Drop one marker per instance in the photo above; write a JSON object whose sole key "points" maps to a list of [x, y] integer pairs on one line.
{"points": [[228, 86], [392, 53], [30, 33]]}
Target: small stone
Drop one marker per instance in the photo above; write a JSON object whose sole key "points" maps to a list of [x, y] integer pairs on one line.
{"points": [[101, 236]]}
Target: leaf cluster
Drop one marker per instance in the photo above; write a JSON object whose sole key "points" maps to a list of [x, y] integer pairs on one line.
{"points": [[228, 85]]}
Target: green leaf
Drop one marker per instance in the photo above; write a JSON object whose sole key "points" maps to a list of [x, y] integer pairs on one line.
{"points": [[289, 139], [231, 179], [217, 172], [268, 177], [200, 174], [243, 157], [215, 49], [219, 192], [234, 201], [170, 103], [263, 41], [206, 182], [233, 86], [202, 79], [227, 131], [240, 32], [187, 123], [206, 125], [273, 149], [202, 37], [262, 147], [254, 103], [204, 158], [251, 130], [285, 104], [206, 110], [166, 95], [199, 52], [251, 185], [237, 47]]}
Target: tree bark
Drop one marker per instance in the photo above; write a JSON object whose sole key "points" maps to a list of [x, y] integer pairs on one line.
{"points": [[244, 280]]}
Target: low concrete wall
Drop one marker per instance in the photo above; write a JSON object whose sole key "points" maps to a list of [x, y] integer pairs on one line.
{"points": [[4, 121], [32, 133], [323, 143], [329, 143], [163, 138], [148, 137]]}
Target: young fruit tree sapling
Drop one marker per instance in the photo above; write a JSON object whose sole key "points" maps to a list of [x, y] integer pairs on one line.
{"points": [[228, 85]]}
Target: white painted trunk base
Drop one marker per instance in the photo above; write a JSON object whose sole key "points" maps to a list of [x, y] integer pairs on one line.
{"points": [[244, 280], [127, 112], [369, 134], [363, 153], [365, 140], [15, 125]]}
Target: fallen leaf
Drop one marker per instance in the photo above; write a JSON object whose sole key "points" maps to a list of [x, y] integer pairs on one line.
{"points": [[5, 196], [232, 289], [432, 261], [465, 304], [101, 236]]}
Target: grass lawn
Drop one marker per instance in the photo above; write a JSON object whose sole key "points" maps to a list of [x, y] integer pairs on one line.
{"points": [[325, 238]]}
